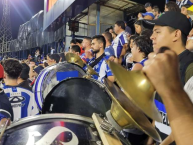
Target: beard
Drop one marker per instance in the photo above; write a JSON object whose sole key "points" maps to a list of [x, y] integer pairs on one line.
{"points": [[96, 51]]}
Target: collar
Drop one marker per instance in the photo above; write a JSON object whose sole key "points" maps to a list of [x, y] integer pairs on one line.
{"points": [[121, 34]]}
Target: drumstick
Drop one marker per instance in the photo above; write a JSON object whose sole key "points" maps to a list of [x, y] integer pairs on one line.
{"points": [[4, 127]]}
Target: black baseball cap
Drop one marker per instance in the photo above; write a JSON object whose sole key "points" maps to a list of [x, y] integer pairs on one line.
{"points": [[148, 5], [172, 19]]}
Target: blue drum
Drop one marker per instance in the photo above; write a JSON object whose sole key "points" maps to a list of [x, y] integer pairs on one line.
{"points": [[51, 76], [53, 129]]}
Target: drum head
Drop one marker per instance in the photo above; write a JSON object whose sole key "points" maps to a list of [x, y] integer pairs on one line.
{"points": [[77, 96], [54, 129], [51, 76]]}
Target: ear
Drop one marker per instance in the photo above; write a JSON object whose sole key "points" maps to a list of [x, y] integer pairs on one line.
{"points": [[101, 45], [177, 35]]}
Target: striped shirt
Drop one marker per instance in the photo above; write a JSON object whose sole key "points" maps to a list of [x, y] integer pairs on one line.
{"points": [[183, 2], [102, 69], [118, 43], [22, 102]]}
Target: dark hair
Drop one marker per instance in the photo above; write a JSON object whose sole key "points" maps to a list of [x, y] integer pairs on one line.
{"points": [[45, 64], [147, 33], [111, 28], [156, 9], [140, 23], [55, 57], [131, 38], [25, 71], [183, 37], [76, 48], [79, 41], [143, 44], [62, 56], [108, 35], [121, 24], [172, 6], [186, 5], [101, 39], [13, 68], [73, 41]]}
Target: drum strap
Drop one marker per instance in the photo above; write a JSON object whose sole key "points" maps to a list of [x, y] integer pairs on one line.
{"points": [[96, 61]]}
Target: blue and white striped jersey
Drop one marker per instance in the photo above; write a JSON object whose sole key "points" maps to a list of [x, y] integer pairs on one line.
{"points": [[22, 101], [102, 69], [183, 2], [118, 43]]}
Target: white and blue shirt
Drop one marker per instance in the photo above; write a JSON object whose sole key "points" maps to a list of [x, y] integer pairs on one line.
{"points": [[22, 102], [118, 43], [109, 51], [102, 69], [183, 2]]}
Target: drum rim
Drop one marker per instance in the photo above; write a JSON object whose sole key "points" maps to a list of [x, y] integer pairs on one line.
{"points": [[50, 116]]}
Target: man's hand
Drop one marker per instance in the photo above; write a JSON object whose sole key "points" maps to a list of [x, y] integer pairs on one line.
{"points": [[163, 71], [112, 58]]}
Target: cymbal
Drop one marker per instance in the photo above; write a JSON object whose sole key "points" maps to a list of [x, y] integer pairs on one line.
{"points": [[137, 88], [91, 71], [128, 115], [73, 58]]}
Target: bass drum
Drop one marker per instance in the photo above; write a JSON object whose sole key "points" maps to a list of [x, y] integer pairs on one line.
{"points": [[53, 129], [78, 96], [51, 76]]}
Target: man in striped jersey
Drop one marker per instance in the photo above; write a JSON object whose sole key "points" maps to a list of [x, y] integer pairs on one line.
{"points": [[22, 100], [120, 42], [99, 64]]}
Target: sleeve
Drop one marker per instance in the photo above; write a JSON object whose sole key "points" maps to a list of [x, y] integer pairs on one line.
{"points": [[108, 71], [189, 72], [4, 114], [6, 110], [189, 88], [123, 39]]}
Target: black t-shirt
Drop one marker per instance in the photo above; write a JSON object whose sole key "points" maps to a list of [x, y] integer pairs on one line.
{"points": [[26, 85], [6, 110]]}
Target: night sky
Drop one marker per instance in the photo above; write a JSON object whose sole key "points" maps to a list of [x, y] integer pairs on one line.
{"points": [[22, 11]]}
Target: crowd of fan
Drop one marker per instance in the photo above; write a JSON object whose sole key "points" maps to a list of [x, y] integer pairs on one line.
{"points": [[140, 51]]}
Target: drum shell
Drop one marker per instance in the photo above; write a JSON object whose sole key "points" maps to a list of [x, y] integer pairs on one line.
{"points": [[47, 79]]}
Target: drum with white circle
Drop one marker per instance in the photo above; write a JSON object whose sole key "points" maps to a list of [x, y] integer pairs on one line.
{"points": [[52, 129]]}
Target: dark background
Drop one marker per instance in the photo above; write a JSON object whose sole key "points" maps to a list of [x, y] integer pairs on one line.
{"points": [[21, 12]]}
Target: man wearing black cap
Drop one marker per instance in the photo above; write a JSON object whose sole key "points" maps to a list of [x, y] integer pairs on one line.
{"points": [[171, 30]]}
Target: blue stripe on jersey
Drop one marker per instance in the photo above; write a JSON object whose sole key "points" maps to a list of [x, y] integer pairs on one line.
{"points": [[160, 106], [122, 40], [24, 110]]}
